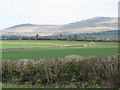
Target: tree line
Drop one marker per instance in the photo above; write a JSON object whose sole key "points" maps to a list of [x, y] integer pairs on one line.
{"points": [[72, 37]]}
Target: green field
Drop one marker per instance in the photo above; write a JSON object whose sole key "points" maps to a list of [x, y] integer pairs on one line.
{"points": [[14, 50], [47, 53], [44, 53], [47, 42], [25, 45]]}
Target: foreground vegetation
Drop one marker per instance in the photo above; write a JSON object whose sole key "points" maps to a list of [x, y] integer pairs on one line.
{"points": [[70, 72]]}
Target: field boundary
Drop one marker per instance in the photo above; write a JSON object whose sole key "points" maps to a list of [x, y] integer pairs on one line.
{"points": [[23, 43], [58, 46]]}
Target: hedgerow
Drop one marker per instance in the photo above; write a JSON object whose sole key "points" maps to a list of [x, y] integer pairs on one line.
{"points": [[70, 72]]}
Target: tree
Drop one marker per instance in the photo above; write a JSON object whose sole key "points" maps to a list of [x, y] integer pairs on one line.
{"points": [[76, 37], [60, 37], [37, 36]]}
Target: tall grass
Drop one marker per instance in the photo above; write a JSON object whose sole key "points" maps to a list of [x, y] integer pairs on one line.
{"points": [[70, 72]]}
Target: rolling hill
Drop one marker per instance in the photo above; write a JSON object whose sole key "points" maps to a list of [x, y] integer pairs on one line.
{"points": [[96, 24]]}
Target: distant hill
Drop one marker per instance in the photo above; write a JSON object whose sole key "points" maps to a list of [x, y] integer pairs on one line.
{"points": [[96, 24], [102, 35], [93, 22], [22, 25]]}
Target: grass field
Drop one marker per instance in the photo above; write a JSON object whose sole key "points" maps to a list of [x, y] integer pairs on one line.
{"points": [[48, 42], [67, 71], [26, 45], [45, 53]]}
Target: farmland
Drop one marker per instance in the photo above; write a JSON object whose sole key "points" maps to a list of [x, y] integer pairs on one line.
{"points": [[62, 64], [56, 50]]}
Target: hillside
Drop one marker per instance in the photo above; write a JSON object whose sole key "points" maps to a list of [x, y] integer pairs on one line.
{"points": [[96, 24]]}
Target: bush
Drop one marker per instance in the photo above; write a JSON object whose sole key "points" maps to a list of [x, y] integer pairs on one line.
{"points": [[68, 72]]}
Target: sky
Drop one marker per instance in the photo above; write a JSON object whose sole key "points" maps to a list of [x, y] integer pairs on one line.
{"points": [[14, 12]]}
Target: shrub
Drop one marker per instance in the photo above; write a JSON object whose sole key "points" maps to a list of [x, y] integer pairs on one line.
{"points": [[68, 72]]}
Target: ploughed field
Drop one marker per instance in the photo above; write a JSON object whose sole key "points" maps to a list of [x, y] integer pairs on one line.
{"points": [[43, 49]]}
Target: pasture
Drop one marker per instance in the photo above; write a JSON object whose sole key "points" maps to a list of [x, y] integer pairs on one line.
{"points": [[46, 62], [18, 43], [56, 51]]}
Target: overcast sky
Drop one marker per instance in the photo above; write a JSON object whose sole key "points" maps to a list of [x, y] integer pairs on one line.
{"points": [[15, 12]]}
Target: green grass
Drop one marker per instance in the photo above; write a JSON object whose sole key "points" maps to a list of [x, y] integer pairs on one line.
{"points": [[57, 42], [44, 53], [44, 43], [25, 45]]}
